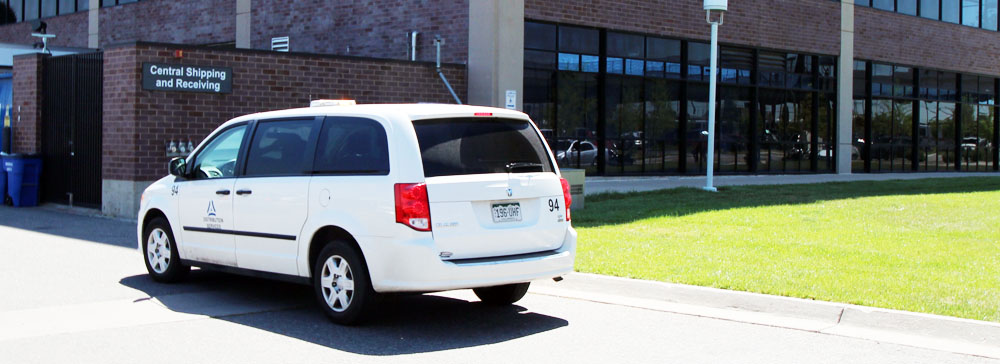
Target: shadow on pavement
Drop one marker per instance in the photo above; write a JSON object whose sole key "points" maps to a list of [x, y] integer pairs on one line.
{"points": [[402, 324], [620, 208], [49, 220]]}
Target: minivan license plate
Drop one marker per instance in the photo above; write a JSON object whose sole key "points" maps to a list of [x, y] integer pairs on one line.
{"points": [[506, 212]]}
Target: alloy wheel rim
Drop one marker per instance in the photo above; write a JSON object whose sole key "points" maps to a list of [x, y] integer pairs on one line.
{"points": [[337, 282], [158, 250]]}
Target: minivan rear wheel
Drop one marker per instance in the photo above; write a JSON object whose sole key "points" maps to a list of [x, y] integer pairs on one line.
{"points": [[502, 295], [342, 285]]}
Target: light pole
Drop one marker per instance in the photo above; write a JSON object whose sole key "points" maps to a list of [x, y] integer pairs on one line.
{"points": [[720, 7]]}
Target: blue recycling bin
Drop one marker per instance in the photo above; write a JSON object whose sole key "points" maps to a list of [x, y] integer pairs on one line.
{"points": [[23, 177], [3, 179]]}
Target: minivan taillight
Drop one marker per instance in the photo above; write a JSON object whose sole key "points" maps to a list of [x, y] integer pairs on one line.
{"points": [[567, 198], [412, 206]]}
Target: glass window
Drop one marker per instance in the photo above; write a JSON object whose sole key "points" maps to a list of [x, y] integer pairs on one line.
{"points": [[667, 50], [908, 7], [903, 81], [569, 62], [860, 69], [771, 69], [616, 65], [883, 4], [49, 8], [827, 73], [107, 3], [67, 6], [662, 134], [539, 59], [970, 89], [31, 8], [590, 63], [15, 14], [625, 45], [279, 148], [82, 5], [577, 112], [735, 65], [539, 36], [698, 61], [928, 84], [218, 158], [460, 146], [986, 95], [634, 67], [352, 146], [930, 9], [948, 86], [881, 145], [799, 71], [949, 11], [863, 2], [539, 100], [126, 1], [989, 14], [970, 13], [579, 40], [881, 80], [655, 69], [733, 129]]}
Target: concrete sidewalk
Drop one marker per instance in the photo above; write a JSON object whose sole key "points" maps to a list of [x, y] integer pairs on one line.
{"points": [[921, 330], [595, 185]]}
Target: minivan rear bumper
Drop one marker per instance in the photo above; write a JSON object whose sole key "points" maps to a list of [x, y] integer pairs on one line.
{"points": [[414, 266]]}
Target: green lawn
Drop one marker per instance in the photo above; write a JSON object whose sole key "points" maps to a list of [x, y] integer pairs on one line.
{"points": [[929, 245]]}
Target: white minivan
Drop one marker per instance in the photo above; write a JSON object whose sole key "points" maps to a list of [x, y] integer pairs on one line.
{"points": [[360, 200]]}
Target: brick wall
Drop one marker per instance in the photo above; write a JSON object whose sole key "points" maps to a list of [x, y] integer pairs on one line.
{"points": [[370, 28], [801, 25], [170, 21], [138, 123], [70, 31], [28, 119], [903, 39]]}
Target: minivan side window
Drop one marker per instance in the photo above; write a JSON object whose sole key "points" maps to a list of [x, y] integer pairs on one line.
{"points": [[278, 148], [349, 145], [218, 158]]}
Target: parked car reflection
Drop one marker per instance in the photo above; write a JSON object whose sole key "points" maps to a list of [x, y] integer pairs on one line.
{"points": [[576, 153]]}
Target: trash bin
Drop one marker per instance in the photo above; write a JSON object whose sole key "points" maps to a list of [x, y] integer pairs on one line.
{"points": [[3, 179], [23, 177]]}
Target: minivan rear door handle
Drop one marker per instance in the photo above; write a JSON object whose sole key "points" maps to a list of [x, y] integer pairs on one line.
{"points": [[243, 192], [222, 192]]}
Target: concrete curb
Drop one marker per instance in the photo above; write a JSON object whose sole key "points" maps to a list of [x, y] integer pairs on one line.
{"points": [[596, 185], [928, 331]]}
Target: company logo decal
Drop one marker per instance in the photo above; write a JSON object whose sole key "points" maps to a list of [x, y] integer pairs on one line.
{"points": [[212, 221], [510, 192]]}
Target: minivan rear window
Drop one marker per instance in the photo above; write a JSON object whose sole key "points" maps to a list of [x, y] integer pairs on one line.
{"points": [[459, 146]]}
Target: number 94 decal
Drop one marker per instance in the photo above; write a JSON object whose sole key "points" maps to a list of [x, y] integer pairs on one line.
{"points": [[553, 204]]}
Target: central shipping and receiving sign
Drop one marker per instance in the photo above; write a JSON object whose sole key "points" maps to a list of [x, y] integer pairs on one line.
{"points": [[172, 77]]}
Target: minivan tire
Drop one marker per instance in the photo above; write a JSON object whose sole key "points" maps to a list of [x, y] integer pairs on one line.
{"points": [[342, 285], [502, 295], [158, 236]]}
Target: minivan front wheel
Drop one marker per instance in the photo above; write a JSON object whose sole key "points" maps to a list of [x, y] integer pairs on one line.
{"points": [[341, 283], [502, 295], [162, 258]]}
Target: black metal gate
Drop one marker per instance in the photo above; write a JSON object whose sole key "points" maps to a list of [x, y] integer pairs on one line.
{"points": [[71, 129]]}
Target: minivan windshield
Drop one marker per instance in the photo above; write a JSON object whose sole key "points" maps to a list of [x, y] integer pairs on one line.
{"points": [[459, 146]]}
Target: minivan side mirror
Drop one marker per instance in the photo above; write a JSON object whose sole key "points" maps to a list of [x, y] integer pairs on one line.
{"points": [[177, 167]]}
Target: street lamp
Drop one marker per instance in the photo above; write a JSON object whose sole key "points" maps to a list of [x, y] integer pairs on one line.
{"points": [[719, 7]]}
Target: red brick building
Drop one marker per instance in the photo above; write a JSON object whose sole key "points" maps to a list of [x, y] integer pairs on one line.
{"points": [[618, 87]]}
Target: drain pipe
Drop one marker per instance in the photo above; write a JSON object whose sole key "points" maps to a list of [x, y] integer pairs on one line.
{"points": [[437, 43]]}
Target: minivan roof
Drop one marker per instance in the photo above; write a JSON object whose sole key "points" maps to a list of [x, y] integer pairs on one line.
{"points": [[388, 111]]}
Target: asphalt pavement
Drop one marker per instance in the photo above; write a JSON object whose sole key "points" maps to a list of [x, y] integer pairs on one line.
{"points": [[75, 290]]}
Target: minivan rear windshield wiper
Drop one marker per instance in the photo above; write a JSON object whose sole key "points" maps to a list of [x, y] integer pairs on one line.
{"points": [[518, 165]]}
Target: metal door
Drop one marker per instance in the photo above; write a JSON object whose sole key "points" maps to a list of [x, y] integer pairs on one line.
{"points": [[71, 129]]}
